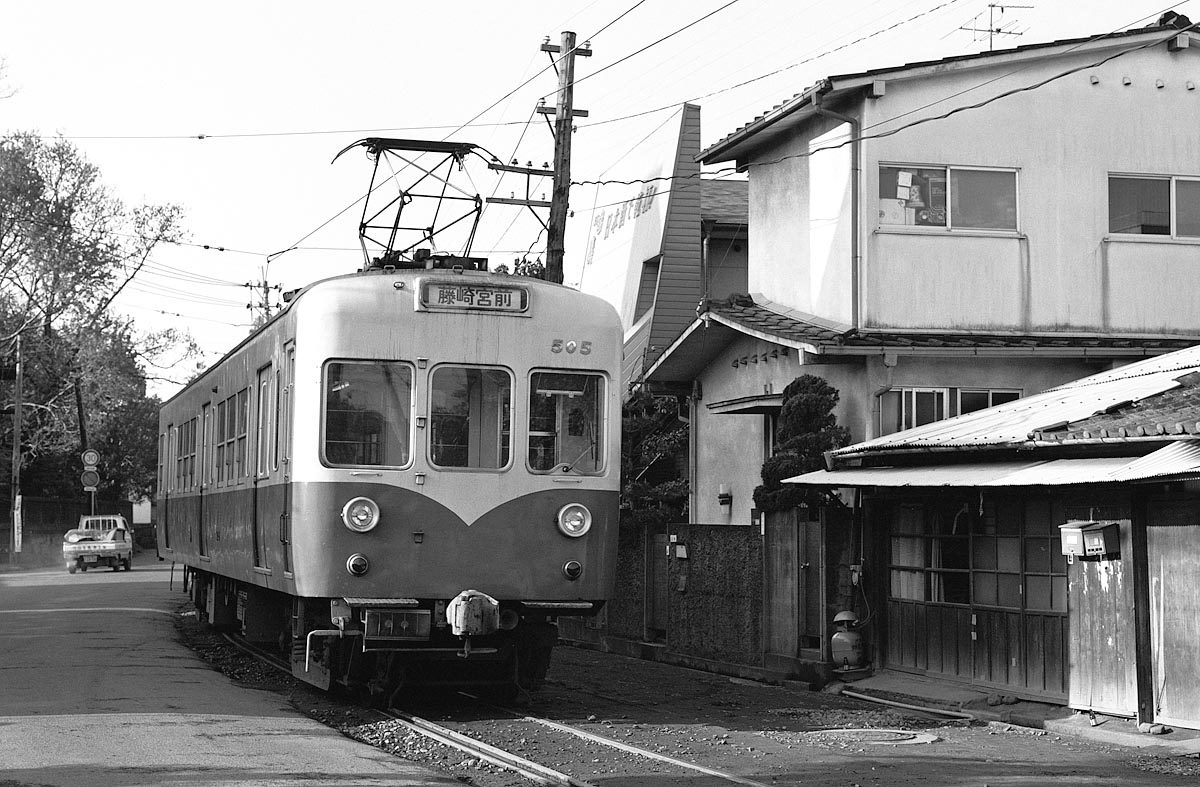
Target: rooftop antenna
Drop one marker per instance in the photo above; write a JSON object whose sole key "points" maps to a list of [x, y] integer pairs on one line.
{"points": [[995, 25]]}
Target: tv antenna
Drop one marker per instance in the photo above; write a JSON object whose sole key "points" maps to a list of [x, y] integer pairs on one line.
{"points": [[996, 26]]}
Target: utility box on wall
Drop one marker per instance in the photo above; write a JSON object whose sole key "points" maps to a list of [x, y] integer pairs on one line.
{"points": [[1090, 539]]}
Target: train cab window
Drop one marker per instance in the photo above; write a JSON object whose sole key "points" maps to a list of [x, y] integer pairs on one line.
{"points": [[566, 426], [368, 410], [470, 417]]}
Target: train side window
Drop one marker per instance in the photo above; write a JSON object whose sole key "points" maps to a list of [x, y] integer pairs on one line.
{"points": [[470, 417], [566, 422], [368, 412]]}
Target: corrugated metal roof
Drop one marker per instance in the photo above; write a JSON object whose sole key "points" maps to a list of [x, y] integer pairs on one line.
{"points": [[1054, 472], [1178, 460], [1015, 423]]}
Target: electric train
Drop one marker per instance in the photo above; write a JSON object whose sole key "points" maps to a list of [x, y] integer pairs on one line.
{"points": [[404, 477]]}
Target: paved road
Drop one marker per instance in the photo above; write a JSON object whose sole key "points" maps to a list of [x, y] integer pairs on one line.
{"points": [[96, 691]]}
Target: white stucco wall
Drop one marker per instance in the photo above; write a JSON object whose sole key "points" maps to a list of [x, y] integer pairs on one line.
{"points": [[1062, 271]]}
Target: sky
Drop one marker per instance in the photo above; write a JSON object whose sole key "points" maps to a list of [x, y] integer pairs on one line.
{"points": [[235, 110]]}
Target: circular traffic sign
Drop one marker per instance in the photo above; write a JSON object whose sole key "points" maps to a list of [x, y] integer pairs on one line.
{"points": [[89, 478], [90, 457]]}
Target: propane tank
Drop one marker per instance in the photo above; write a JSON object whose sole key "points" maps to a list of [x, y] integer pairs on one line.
{"points": [[846, 645]]}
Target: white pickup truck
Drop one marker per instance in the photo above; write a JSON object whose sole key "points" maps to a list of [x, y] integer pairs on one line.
{"points": [[102, 540]]}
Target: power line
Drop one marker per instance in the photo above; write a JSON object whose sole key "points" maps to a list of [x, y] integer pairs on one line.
{"points": [[920, 121]]}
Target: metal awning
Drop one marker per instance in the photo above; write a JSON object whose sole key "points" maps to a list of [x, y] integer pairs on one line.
{"points": [[1054, 472], [1179, 460], [747, 405]]}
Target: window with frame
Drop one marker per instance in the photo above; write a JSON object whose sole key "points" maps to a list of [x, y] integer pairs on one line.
{"points": [[1159, 205], [368, 413], [231, 438], [470, 417], [185, 456], [950, 197], [566, 422], [905, 408]]}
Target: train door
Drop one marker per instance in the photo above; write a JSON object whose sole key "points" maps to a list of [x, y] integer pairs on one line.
{"points": [[203, 514], [260, 490], [205, 471], [284, 437], [164, 485]]}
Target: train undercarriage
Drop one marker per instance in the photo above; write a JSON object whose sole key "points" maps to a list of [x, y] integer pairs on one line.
{"points": [[376, 649]]}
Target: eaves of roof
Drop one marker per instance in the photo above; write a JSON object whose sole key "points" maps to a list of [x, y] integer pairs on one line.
{"points": [[800, 107], [720, 322]]}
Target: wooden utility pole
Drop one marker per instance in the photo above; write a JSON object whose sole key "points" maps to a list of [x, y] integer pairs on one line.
{"points": [[18, 394], [564, 114]]}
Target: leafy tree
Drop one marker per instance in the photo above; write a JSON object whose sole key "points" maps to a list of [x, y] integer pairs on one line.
{"points": [[807, 429], [523, 266], [652, 439], [67, 249]]}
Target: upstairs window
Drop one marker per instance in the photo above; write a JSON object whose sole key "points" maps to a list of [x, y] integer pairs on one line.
{"points": [[950, 197], [1154, 206]]}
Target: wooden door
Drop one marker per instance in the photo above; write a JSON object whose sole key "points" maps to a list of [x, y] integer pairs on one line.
{"points": [[1172, 537]]}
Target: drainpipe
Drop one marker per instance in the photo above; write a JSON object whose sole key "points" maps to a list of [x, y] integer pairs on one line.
{"points": [[818, 103]]}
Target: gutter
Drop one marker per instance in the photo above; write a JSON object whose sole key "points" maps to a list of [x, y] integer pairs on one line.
{"points": [[818, 104]]}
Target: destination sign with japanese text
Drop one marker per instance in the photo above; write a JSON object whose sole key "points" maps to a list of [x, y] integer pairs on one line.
{"points": [[474, 297]]}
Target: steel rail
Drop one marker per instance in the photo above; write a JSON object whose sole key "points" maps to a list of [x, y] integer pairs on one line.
{"points": [[625, 747], [486, 752]]}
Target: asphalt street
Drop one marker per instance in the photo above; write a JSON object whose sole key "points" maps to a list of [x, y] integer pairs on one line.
{"points": [[97, 691]]}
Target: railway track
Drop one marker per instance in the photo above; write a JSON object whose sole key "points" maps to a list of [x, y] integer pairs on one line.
{"points": [[499, 736]]}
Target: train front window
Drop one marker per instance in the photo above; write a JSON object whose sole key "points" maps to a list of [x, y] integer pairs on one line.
{"points": [[566, 422], [470, 417], [368, 409]]}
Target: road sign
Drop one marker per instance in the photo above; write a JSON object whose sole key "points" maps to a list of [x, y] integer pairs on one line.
{"points": [[91, 458], [90, 480]]}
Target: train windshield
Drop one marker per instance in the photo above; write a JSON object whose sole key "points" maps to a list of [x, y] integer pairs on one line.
{"points": [[368, 409], [566, 428], [470, 417]]}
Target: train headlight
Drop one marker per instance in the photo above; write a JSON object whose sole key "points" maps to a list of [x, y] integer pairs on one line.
{"points": [[357, 564], [360, 514], [574, 520]]}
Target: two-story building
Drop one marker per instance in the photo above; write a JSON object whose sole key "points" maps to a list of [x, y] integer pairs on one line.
{"points": [[934, 239]]}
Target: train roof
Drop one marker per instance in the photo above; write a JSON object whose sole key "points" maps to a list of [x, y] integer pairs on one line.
{"points": [[291, 298]]}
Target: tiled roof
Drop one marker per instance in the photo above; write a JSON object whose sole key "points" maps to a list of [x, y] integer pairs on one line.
{"points": [[725, 201], [787, 324], [1164, 24]]}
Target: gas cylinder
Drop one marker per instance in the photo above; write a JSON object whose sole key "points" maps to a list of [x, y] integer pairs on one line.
{"points": [[846, 645]]}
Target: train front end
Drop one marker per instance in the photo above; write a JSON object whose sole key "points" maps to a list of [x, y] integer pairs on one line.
{"points": [[455, 482]]}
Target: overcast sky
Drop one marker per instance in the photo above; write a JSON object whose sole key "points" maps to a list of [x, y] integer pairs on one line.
{"points": [[278, 88]]}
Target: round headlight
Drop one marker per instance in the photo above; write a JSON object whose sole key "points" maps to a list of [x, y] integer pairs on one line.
{"points": [[574, 520], [360, 514]]}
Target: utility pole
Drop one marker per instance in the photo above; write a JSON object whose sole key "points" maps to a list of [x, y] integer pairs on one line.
{"points": [[263, 307], [18, 394], [564, 114]]}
